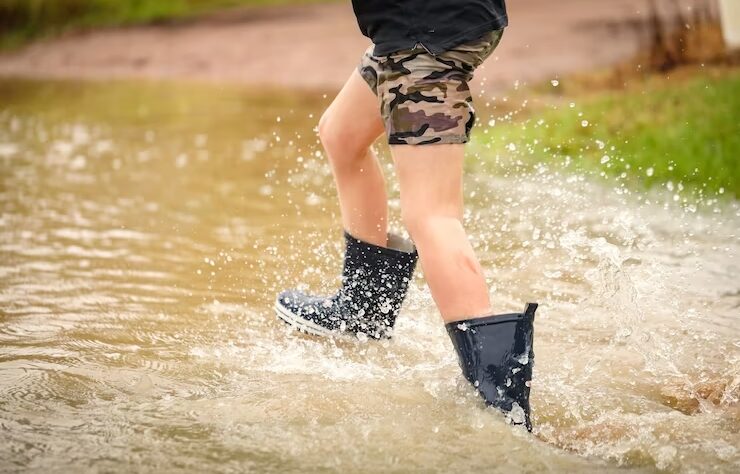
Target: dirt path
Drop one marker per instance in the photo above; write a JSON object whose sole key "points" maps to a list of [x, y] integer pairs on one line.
{"points": [[319, 45]]}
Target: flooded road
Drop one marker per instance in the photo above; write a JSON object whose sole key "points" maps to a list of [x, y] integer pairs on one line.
{"points": [[145, 229]]}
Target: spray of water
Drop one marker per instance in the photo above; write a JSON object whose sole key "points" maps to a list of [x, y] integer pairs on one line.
{"points": [[140, 260]]}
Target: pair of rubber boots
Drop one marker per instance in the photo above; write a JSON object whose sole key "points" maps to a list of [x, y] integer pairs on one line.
{"points": [[494, 352]]}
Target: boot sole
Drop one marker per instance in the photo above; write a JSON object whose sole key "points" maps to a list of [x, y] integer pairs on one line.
{"points": [[303, 325], [313, 329]]}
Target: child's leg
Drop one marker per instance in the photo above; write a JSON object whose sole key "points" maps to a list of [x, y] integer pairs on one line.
{"points": [[430, 177], [347, 129]]}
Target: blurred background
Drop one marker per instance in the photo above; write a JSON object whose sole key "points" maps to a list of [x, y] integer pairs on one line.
{"points": [[161, 179]]}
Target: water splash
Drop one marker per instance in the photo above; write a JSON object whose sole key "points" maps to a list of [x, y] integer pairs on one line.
{"points": [[136, 293]]}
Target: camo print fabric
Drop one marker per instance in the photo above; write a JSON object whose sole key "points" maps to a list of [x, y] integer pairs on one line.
{"points": [[425, 98]]}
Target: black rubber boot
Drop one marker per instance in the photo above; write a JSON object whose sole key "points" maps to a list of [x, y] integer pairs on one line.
{"points": [[496, 356], [374, 284]]}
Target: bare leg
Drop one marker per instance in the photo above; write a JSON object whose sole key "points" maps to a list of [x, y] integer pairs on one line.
{"points": [[347, 129], [431, 207]]}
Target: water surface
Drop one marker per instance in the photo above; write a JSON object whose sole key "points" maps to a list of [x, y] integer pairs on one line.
{"points": [[145, 229]]}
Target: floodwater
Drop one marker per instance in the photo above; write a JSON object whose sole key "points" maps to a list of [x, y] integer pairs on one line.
{"points": [[145, 229]]}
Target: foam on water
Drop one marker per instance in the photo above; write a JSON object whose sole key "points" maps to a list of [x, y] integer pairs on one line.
{"points": [[136, 329]]}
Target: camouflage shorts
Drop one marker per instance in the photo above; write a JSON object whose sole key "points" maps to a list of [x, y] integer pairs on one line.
{"points": [[425, 98]]}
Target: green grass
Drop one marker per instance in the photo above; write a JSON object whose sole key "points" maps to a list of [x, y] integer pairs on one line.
{"points": [[683, 130], [24, 20]]}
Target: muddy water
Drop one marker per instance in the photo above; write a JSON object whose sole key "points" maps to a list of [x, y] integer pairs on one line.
{"points": [[145, 229]]}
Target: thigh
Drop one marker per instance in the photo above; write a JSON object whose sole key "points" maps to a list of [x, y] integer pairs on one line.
{"points": [[355, 111], [425, 98], [430, 178]]}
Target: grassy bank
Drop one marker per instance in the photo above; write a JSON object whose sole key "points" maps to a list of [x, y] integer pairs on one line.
{"points": [[684, 130], [23, 20]]}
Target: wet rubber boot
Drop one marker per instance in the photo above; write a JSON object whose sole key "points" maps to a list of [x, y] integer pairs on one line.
{"points": [[374, 284], [496, 356]]}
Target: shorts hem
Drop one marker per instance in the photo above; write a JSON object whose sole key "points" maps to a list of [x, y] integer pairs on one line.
{"points": [[445, 139]]}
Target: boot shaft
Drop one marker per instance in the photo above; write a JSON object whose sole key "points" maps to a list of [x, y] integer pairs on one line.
{"points": [[496, 356], [375, 279]]}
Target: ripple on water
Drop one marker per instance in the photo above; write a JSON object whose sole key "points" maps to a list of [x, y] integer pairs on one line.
{"points": [[137, 277]]}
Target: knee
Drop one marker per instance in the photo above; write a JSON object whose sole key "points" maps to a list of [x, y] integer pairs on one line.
{"points": [[418, 221], [341, 142], [426, 222]]}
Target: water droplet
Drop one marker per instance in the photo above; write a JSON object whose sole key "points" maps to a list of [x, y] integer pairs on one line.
{"points": [[516, 415], [181, 161]]}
